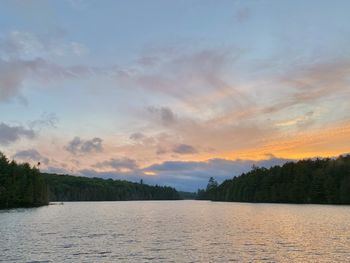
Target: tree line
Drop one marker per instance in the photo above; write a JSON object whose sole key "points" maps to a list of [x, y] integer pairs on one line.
{"points": [[21, 185], [24, 186], [77, 188], [319, 181]]}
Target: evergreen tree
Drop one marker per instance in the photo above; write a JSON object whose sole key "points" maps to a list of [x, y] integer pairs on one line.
{"points": [[322, 181]]}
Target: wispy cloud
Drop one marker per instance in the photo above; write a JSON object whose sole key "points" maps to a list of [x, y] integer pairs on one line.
{"points": [[25, 56], [26, 45], [45, 120], [13, 73]]}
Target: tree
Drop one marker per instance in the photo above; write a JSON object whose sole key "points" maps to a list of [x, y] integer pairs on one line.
{"points": [[212, 184]]}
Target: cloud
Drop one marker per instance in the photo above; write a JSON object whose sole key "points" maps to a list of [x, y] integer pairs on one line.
{"points": [[22, 44], [160, 150], [122, 164], [300, 121], [10, 134], [305, 89], [164, 114], [183, 175], [137, 136], [148, 60], [31, 155], [25, 56], [46, 120], [184, 149], [185, 74], [151, 145], [79, 146], [14, 72], [310, 85], [242, 14], [191, 175], [12, 75]]}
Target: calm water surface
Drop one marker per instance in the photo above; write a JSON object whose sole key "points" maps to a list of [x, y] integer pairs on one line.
{"points": [[175, 231]]}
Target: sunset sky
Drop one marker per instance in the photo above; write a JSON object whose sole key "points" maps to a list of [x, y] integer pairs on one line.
{"points": [[173, 91]]}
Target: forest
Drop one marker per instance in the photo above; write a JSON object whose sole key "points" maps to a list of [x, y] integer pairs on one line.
{"points": [[316, 181], [77, 188], [21, 185], [24, 186]]}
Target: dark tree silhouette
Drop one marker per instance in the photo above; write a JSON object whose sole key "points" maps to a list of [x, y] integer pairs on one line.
{"points": [[77, 188], [320, 181]]}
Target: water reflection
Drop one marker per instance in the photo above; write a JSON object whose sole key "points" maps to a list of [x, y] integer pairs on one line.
{"points": [[176, 231]]}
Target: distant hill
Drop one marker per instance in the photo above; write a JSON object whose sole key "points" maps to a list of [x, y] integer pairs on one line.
{"points": [[76, 188], [319, 181], [24, 186]]}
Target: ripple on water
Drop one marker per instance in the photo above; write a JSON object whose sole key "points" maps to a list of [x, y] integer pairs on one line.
{"points": [[183, 231]]}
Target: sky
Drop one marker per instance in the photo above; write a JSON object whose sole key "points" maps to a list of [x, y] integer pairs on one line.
{"points": [[173, 92]]}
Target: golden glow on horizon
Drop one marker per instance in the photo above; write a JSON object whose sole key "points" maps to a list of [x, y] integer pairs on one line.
{"points": [[150, 173], [317, 142], [309, 144]]}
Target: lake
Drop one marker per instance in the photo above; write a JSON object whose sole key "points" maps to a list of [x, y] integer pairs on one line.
{"points": [[175, 231]]}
